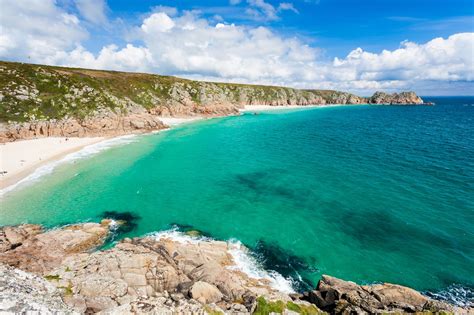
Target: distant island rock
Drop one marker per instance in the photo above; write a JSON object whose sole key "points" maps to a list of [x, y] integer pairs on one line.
{"points": [[403, 98], [42, 101], [61, 270]]}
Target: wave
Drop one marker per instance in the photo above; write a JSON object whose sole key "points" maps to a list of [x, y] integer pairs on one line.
{"points": [[456, 294], [85, 152], [244, 261]]}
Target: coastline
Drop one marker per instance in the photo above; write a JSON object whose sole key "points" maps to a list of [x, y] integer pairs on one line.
{"points": [[20, 159]]}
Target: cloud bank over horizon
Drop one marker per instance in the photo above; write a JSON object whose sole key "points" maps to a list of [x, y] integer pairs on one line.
{"points": [[187, 44]]}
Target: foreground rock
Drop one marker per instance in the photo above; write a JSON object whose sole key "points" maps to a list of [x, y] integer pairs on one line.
{"points": [[159, 275], [26, 248], [337, 296], [22, 292]]}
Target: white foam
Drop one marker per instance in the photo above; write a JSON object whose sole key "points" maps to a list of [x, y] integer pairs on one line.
{"points": [[244, 261], [85, 152], [247, 264], [177, 236]]}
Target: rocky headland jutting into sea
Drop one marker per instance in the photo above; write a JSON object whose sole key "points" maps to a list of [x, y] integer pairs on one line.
{"points": [[39, 101], [61, 271]]}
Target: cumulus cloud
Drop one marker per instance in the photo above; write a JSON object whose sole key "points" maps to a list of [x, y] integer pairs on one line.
{"points": [[188, 45], [35, 30], [438, 60]]}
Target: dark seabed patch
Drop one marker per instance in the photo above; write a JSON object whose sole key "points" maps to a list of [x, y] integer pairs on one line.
{"points": [[275, 258], [268, 184], [128, 222], [385, 231]]}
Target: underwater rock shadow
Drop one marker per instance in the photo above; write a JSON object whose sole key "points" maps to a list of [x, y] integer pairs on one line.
{"points": [[266, 184], [127, 220], [273, 257]]}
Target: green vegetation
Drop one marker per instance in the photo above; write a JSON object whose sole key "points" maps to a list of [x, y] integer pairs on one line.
{"points": [[67, 290], [265, 307], [52, 277], [211, 311], [37, 92]]}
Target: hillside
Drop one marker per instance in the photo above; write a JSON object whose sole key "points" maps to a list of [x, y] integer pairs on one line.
{"points": [[38, 100]]}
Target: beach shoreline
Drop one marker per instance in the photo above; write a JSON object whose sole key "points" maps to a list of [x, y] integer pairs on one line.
{"points": [[19, 159]]}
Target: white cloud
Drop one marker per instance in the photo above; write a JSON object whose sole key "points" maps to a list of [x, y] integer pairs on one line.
{"points": [[37, 29], [287, 6], [188, 45], [264, 11], [157, 23], [440, 59], [93, 11]]}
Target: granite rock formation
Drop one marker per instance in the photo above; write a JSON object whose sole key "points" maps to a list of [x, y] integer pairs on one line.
{"points": [[403, 98], [60, 270]]}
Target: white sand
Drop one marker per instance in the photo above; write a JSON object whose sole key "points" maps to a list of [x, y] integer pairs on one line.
{"points": [[20, 158], [174, 121]]}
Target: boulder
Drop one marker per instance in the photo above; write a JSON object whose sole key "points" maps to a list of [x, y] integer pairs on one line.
{"points": [[205, 293], [41, 252], [342, 297]]}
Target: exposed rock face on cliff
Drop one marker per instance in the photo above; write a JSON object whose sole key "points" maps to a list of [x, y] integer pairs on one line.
{"points": [[39, 101], [106, 122], [25, 293], [154, 274], [403, 98]]}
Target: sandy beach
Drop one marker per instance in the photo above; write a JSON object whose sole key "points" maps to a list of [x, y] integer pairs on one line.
{"points": [[174, 121], [18, 159]]}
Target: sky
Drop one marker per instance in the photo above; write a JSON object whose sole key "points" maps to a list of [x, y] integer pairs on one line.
{"points": [[360, 46]]}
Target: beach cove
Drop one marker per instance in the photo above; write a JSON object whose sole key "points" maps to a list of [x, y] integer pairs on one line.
{"points": [[286, 175]]}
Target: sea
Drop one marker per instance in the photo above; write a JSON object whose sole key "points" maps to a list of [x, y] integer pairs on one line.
{"points": [[364, 193]]}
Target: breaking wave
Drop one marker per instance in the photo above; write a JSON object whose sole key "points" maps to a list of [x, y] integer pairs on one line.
{"points": [[244, 260]]}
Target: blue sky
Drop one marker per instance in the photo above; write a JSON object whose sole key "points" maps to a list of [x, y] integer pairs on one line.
{"points": [[337, 25], [360, 46]]}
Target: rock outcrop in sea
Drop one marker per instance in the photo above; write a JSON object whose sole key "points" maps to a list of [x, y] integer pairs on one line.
{"points": [[61, 270], [41, 101]]}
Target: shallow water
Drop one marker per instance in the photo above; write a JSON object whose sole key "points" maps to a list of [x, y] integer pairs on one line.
{"points": [[364, 193]]}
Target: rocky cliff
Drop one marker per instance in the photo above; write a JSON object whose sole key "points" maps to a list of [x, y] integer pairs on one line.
{"points": [[59, 271], [38, 101]]}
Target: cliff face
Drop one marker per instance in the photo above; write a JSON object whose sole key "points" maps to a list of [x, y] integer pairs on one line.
{"points": [[41, 100]]}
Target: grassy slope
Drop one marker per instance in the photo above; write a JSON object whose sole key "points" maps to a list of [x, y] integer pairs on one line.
{"points": [[31, 92]]}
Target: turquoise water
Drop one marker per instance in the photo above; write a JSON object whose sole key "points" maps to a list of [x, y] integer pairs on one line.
{"points": [[364, 193]]}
